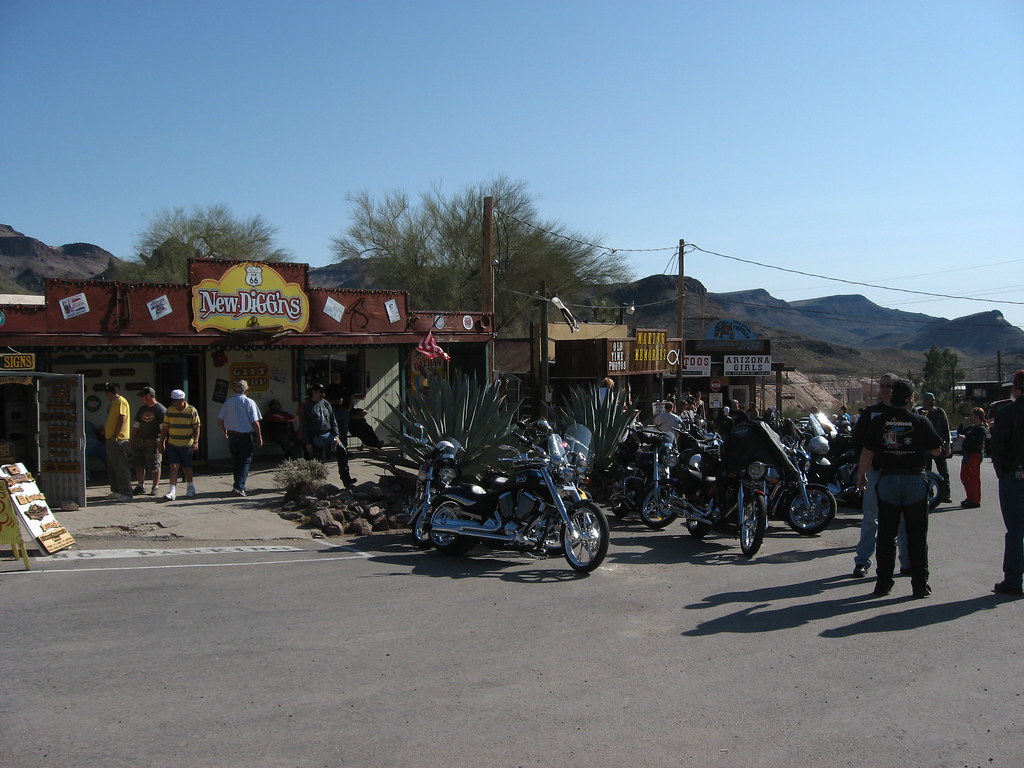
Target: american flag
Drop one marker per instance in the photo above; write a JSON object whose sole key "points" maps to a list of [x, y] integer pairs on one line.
{"points": [[431, 348]]}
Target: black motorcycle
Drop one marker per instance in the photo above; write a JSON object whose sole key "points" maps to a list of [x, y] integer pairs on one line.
{"points": [[808, 508], [538, 507], [440, 468]]}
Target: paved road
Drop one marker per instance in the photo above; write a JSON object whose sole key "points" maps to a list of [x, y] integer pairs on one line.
{"points": [[366, 652]]}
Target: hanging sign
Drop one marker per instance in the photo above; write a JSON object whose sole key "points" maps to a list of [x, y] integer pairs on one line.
{"points": [[249, 297], [747, 365], [18, 362], [696, 365]]}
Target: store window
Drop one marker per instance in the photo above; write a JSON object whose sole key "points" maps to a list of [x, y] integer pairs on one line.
{"points": [[346, 367]]}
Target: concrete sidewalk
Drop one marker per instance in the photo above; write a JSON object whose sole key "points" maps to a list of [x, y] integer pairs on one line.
{"points": [[214, 515]]}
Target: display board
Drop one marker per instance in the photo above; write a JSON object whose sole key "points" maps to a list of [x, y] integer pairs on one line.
{"points": [[19, 491]]}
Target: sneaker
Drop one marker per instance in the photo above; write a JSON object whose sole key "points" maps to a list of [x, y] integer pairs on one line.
{"points": [[860, 572], [171, 495], [152, 491], [239, 491], [191, 492], [125, 497], [138, 490]]}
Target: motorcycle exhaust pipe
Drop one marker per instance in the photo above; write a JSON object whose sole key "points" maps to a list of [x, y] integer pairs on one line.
{"points": [[470, 528]]}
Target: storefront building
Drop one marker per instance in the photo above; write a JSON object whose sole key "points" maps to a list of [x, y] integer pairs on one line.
{"points": [[258, 321]]}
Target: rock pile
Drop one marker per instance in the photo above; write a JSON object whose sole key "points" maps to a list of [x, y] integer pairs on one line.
{"points": [[364, 509]]}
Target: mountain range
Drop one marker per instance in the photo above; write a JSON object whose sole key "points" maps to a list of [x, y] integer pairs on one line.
{"points": [[844, 334]]}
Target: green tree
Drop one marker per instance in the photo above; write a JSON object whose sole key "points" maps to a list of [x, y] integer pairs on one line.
{"points": [[174, 235], [433, 250], [940, 374]]}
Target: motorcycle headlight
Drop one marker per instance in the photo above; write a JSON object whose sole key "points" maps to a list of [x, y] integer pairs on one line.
{"points": [[447, 475], [671, 459], [582, 466], [568, 475], [757, 470]]}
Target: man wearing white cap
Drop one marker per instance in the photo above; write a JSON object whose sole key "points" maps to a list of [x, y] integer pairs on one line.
{"points": [[180, 440], [239, 420]]}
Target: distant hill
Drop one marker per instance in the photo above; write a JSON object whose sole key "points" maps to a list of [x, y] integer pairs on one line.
{"points": [[25, 262]]}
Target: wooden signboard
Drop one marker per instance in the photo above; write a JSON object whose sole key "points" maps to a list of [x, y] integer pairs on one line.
{"points": [[19, 491]]}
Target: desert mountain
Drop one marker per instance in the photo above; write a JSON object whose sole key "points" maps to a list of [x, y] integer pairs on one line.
{"points": [[25, 262]]}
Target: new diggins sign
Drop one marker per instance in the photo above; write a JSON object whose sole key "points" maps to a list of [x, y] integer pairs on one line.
{"points": [[249, 296]]}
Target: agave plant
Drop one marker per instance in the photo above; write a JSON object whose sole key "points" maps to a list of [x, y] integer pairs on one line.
{"points": [[606, 417], [463, 409]]}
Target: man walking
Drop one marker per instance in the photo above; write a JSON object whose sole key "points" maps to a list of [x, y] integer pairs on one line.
{"points": [[869, 504], [1008, 458], [897, 444], [146, 430], [117, 434], [938, 418], [239, 418], [180, 441]]}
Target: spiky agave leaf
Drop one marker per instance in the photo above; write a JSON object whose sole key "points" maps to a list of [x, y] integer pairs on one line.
{"points": [[461, 408], [606, 418]]}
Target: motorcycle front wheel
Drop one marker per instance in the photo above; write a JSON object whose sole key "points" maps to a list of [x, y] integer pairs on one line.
{"points": [[656, 511], [810, 520], [585, 541], [448, 543], [936, 489], [420, 527], [753, 523]]}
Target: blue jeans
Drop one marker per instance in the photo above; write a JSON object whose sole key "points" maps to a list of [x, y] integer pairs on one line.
{"points": [[241, 447], [869, 527], [1011, 502], [903, 498]]}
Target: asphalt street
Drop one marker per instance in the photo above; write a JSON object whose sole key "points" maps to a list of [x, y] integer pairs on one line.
{"points": [[143, 650]]}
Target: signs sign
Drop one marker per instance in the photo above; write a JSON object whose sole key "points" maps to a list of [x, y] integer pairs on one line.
{"points": [[18, 362], [747, 365]]}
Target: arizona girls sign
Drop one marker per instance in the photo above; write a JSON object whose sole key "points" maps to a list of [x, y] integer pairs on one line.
{"points": [[249, 296]]}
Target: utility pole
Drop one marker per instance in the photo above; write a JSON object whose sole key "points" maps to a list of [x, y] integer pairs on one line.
{"points": [[542, 395], [487, 272], [681, 320]]}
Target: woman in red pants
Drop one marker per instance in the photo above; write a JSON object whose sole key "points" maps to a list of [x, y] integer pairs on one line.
{"points": [[970, 469]]}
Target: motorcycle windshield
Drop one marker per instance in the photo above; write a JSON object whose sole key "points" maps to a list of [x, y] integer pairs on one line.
{"points": [[577, 439]]}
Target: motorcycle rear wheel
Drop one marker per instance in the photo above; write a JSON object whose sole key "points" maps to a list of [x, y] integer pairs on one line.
{"points": [[585, 549], [656, 511], [753, 523], [936, 489], [808, 521], [449, 543]]}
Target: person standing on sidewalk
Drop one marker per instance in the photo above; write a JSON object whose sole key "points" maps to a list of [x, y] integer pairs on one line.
{"points": [[340, 397], [239, 418], [117, 432], [146, 431], [970, 466], [318, 429], [180, 441], [1008, 458], [897, 445]]}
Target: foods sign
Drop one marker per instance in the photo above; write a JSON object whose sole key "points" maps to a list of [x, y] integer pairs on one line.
{"points": [[747, 365], [249, 297]]}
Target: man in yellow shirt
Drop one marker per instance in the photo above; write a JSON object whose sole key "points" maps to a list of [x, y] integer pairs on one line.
{"points": [[117, 434]]}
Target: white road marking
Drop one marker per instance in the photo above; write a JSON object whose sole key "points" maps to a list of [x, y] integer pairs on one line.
{"points": [[101, 554]]}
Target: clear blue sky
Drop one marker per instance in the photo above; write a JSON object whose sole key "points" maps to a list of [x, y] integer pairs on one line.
{"points": [[880, 142]]}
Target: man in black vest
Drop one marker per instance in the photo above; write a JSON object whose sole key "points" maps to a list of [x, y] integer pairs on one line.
{"points": [[897, 444]]}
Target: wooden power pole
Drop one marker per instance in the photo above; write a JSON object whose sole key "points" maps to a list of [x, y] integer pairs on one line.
{"points": [[487, 281], [681, 320]]}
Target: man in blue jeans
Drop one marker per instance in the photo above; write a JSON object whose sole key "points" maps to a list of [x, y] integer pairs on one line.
{"points": [[1008, 459], [869, 505], [897, 444], [239, 418]]}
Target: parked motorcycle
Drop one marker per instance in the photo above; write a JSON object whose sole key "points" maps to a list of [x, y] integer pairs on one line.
{"points": [[808, 508], [439, 470], [727, 488], [538, 506]]}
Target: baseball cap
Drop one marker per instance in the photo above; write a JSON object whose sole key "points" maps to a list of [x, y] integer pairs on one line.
{"points": [[147, 391], [177, 394], [317, 388], [929, 396]]}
